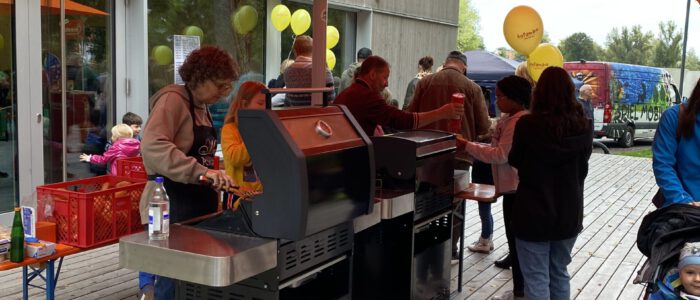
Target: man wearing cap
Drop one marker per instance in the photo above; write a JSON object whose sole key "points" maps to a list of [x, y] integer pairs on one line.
{"points": [[434, 91], [364, 100], [349, 73]]}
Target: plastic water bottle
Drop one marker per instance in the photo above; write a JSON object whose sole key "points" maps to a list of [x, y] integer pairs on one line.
{"points": [[159, 212]]}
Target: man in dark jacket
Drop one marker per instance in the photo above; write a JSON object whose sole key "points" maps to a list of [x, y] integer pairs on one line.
{"points": [[436, 89], [349, 74]]}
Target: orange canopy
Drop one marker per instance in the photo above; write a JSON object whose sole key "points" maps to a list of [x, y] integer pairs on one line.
{"points": [[54, 7]]}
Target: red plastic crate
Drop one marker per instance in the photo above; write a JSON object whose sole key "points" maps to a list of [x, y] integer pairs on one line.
{"points": [[131, 167], [92, 211]]}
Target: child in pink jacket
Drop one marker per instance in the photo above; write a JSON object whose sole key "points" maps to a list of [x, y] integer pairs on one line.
{"points": [[124, 146], [513, 95]]}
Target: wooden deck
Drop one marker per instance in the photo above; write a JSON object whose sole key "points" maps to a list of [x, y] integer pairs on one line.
{"points": [[605, 257], [617, 196]]}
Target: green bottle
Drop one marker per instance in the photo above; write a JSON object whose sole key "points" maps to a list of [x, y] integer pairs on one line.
{"points": [[17, 238]]}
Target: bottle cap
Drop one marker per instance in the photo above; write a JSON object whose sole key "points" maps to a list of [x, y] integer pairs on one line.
{"points": [[17, 209], [159, 179]]}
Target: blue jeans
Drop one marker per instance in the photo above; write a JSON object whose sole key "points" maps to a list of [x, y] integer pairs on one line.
{"points": [[164, 288], [544, 268], [146, 278], [486, 219]]}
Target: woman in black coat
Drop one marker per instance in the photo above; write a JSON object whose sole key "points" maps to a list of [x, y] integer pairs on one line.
{"points": [[551, 148]]}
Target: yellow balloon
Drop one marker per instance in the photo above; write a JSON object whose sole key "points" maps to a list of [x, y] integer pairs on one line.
{"points": [[523, 29], [194, 30], [162, 55], [332, 37], [244, 19], [301, 21], [281, 16], [544, 56], [330, 59]]}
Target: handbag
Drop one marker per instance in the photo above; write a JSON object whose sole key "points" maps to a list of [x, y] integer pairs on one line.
{"points": [[659, 199]]}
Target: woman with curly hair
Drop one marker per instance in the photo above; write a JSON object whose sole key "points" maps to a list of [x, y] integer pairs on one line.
{"points": [[179, 143], [551, 147]]}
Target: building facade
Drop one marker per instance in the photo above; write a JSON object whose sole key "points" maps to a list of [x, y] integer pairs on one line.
{"points": [[63, 87]]}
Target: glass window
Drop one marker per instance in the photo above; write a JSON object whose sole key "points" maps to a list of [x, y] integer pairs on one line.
{"points": [[8, 109], [344, 21], [89, 106], [237, 26]]}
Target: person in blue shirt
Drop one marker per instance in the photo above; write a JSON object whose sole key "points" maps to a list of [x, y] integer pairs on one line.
{"points": [[676, 151]]}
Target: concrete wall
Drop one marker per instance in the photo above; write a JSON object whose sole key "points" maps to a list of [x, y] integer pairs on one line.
{"points": [[403, 31], [402, 42], [443, 10]]}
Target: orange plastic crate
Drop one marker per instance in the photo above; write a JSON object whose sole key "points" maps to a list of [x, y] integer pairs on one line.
{"points": [[92, 211], [131, 167]]}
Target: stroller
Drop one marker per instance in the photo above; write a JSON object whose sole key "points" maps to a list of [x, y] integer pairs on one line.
{"points": [[660, 238]]}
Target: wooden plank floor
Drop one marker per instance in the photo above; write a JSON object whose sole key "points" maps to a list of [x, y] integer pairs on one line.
{"points": [[617, 196], [605, 259]]}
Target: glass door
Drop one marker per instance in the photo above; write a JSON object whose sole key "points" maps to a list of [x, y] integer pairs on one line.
{"points": [[77, 70], [9, 183]]}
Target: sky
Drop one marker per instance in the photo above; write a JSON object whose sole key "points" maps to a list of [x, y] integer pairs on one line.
{"points": [[596, 18]]}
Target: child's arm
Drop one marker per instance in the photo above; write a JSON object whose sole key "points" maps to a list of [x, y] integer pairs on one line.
{"points": [[105, 158], [494, 154]]}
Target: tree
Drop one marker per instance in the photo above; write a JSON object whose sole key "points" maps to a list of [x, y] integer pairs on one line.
{"points": [[692, 62], [510, 54], [667, 51], [580, 46], [630, 46], [468, 37]]}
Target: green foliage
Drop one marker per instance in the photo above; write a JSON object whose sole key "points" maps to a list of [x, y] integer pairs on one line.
{"points": [[510, 54], [580, 46], [170, 17], [545, 37], [468, 37], [641, 153], [692, 62], [630, 46], [667, 51]]}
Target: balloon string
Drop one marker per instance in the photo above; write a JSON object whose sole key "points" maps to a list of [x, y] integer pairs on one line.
{"points": [[294, 37]]}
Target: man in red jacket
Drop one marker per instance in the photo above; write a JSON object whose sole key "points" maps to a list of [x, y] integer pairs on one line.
{"points": [[364, 100]]}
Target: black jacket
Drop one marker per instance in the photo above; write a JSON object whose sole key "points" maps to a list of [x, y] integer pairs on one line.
{"points": [[663, 233], [549, 198]]}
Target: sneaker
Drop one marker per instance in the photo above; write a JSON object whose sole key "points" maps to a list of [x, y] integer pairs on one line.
{"points": [[482, 246], [146, 293]]}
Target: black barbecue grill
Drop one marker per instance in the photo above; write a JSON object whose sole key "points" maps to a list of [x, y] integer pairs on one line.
{"points": [[407, 256], [317, 168]]}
